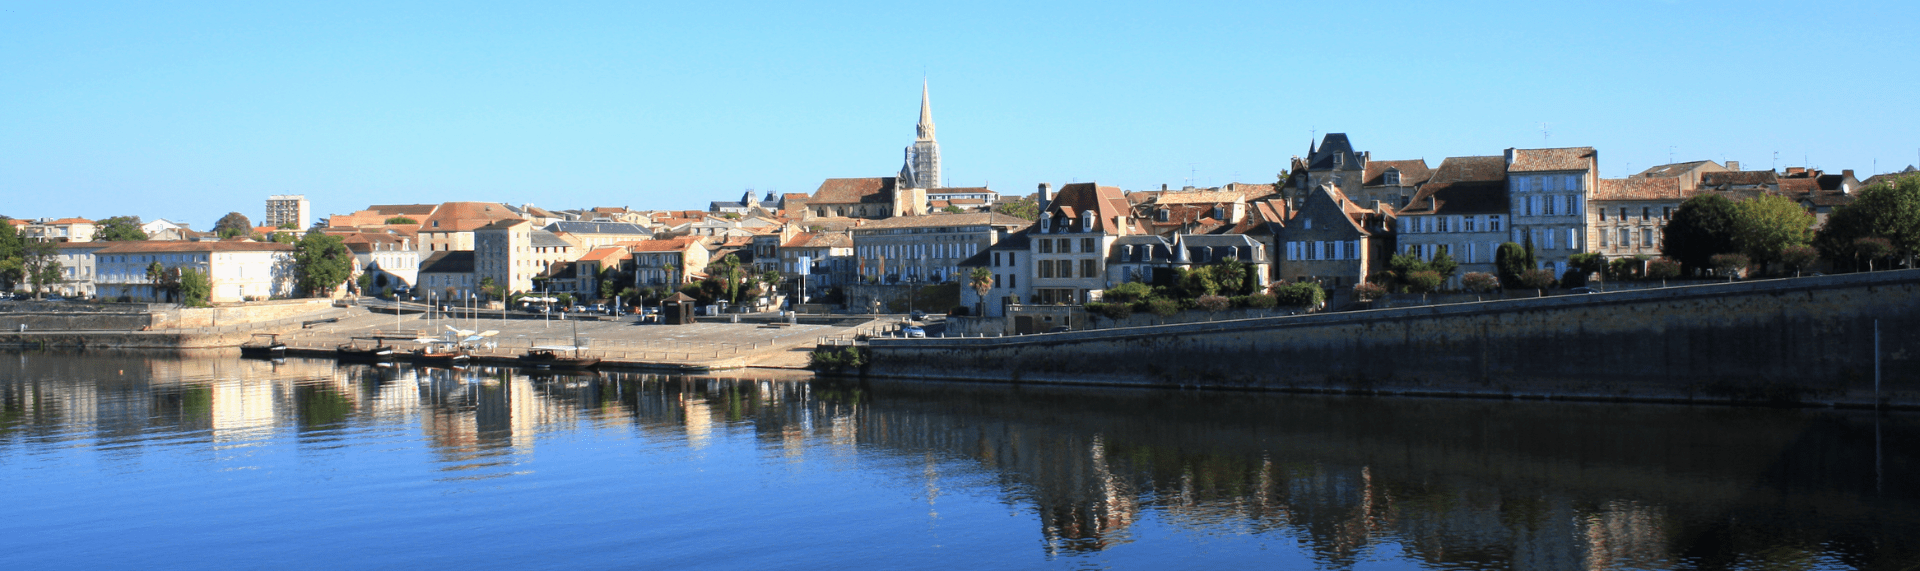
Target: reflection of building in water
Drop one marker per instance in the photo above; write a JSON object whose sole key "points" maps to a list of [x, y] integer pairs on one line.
{"points": [[242, 409]]}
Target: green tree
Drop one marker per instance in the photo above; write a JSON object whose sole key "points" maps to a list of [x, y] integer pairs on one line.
{"points": [[1581, 266], [1129, 292], [1767, 224], [1443, 264], [1729, 264], [1479, 282], [981, 280], [1424, 281], [1890, 211], [119, 229], [365, 282], [321, 263], [491, 288], [402, 220], [41, 262], [233, 224], [194, 287], [1213, 304], [1024, 208], [1799, 257], [1870, 249], [1509, 261], [1368, 291], [1536, 279], [1301, 294], [163, 280], [1663, 269], [12, 266], [950, 209], [1703, 226]]}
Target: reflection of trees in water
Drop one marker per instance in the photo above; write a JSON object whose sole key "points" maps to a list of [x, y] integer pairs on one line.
{"points": [[1449, 483]]}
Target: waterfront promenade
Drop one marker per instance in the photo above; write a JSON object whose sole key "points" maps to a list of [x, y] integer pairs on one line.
{"points": [[759, 340]]}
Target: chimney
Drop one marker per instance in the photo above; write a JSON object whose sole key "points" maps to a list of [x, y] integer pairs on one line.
{"points": [[1046, 197], [1733, 165], [1163, 187], [1796, 170], [1509, 156], [1847, 173]]}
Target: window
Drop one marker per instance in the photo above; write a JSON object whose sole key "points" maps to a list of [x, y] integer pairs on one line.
{"points": [[1353, 250], [1603, 239], [1393, 177], [1331, 254], [1493, 223], [1646, 237], [1666, 212], [1046, 246], [996, 259], [1626, 238], [1013, 281], [1467, 223], [1066, 245], [1087, 268], [1623, 213], [1573, 182], [1442, 221], [1066, 268], [1603, 214], [1045, 268], [1086, 245], [1010, 258], [1550, 183], [1573, 239]]}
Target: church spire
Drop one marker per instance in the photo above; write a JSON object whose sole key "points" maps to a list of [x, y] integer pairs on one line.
{"points": [[925, 129]]}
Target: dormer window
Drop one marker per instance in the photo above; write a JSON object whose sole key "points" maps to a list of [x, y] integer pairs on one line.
{"points": [[1219, 213], [1161, 215], [1307, 223], [1393, 177]]}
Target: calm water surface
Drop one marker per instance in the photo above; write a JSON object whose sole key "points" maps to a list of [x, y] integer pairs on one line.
{"points": [[149, 460]]}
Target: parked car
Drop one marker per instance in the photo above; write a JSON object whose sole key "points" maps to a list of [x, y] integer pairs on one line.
{"points": [[597, 308], [914, 331], [917, 315]]}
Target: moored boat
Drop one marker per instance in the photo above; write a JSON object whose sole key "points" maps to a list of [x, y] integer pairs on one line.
{"points": [[353, 350], [265, 346], [438, 352], [551, 357]]}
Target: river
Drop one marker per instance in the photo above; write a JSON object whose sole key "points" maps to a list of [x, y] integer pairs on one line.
{"points": [[120, 459]]}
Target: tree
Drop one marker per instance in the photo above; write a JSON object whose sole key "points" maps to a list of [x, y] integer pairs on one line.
{"points": [[1213, 304], [1301, 294], [1479, 282], [402, 220], [951, 209], [1443, 264], [1663, 269], [163, 280], [1509, 261], [194, 287], [321, 263], [119, 229], [1702, 226], [1024, 208], [1729, 264], [1767, 224], [1870, 249], [1580, 266], [1129, 292], [981, 279], [491, 288], [1368, 291], [1537, 279], [1423, 282], [1884, 210], [233, 224], [41, 262], [1799, 257], [12, 267]]}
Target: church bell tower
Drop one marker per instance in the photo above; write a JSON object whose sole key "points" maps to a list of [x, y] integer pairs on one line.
{"points": [[922, 168]]}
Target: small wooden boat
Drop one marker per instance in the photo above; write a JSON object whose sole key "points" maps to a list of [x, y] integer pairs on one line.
{"points": [[553, 357], [264, 346], [438, 352], [352, 350]]}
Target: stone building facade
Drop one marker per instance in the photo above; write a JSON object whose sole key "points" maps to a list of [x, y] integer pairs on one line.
{"points": [[1332, 241], [1548, 190], [1071, 240], [1462, 211], [927, 249]]}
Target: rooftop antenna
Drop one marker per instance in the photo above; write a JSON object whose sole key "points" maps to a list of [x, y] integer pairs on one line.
{"points": [[1193, 178], [1544, 133], [1670, 154], [1776, 161]]}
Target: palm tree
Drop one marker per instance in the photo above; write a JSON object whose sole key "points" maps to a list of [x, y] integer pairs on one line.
{"points": [[982, 281]]}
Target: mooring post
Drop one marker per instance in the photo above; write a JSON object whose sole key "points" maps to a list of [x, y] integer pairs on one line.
{"points": [[1876, 364]]}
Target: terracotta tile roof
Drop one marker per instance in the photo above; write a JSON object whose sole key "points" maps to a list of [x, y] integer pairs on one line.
{"points": [[145, 247], [71, 221], [1562, 159], [1200, 197], [668, 245], [1639, 188], [852, 190], [827, 240], [465, 216], [408, 210], [1672, 170], [1107, 201], [607, 253], [1739, 178], [798, 240], [962, 190], [1412, 173], [1798, 186]]}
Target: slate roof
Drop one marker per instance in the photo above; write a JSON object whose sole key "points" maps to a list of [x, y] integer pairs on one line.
{"points": [[545, 239], [1334, 150], [1458, 169], [1412, 173], [1018, 240], [852, 190], [1107, 201], [599, 228], [1561, 159], [448, 262]]}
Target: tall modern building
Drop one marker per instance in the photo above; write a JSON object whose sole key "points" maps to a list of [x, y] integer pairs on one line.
{"points": [[922, 168], [285, 209]]}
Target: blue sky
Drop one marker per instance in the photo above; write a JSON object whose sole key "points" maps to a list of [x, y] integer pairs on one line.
{"points": [[190, 110]]}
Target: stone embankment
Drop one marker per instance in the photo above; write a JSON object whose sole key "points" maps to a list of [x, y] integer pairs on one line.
{"points": [[1801, 340], [144, 326]]}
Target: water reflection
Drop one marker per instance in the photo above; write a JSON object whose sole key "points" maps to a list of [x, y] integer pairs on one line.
{"points": [[1437, 483]]}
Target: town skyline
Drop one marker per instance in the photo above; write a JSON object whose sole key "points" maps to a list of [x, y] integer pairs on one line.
{"points": [[563, 114]]}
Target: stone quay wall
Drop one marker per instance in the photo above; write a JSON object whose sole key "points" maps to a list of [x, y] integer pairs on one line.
{"points": [[67, 316], [1801, 340]]}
